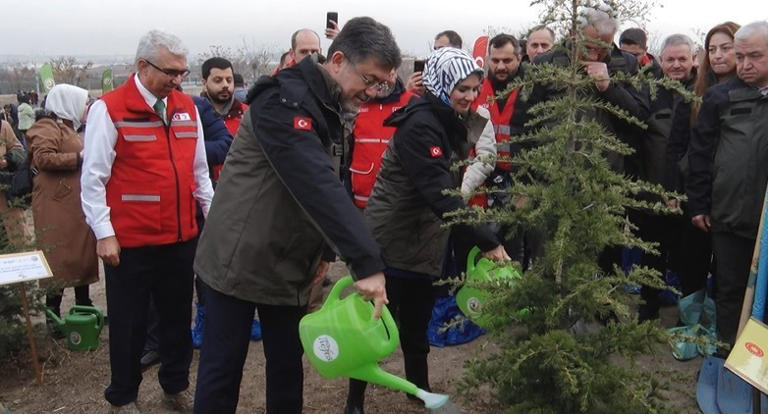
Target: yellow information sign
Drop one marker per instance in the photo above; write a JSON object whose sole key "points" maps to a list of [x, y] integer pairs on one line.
{"points": [[749, 356]]}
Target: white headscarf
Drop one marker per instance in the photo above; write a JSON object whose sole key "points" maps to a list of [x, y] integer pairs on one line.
{"points": [[445, 68], [67, 102]]}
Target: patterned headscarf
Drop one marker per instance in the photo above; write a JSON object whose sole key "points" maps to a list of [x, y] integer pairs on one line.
{"points": [[445, 68]]}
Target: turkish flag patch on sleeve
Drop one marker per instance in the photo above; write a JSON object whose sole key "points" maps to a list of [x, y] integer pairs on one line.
{"points": [[435, 151], [303, 123]]}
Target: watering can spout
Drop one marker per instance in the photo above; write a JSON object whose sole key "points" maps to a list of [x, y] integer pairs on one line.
{"points": [[375, 375], [55, 318]]}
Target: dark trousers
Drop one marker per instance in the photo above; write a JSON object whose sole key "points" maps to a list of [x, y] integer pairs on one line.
{"points": [[165, 273], [410, 301], [82, 297], [153, 321], [662, 230], [734, 256], [227, 334], [694, 259]]}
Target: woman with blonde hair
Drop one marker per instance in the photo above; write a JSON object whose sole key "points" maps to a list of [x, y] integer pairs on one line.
{"points": [[62, 233]]}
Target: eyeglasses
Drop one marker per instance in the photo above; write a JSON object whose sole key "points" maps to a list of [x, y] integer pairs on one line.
{"points": [[381, 86], [170, 72]]}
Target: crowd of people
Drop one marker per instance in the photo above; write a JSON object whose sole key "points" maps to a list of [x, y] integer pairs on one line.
{"points": [[334, 156]]}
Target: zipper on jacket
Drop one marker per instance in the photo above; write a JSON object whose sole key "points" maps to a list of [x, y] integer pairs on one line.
{"points": [[176, 176]]}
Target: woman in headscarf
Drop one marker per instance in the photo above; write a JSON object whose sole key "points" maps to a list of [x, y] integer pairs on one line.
{"points": [[62, 233], [407, 207]]}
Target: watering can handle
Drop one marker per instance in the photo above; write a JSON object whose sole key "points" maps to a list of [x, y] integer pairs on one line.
{"points": [[92, 310], [340, 285], [471, 259], [389, 323]]}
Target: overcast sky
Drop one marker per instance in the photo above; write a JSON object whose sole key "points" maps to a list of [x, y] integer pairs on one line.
{"points": [[94, 27]]}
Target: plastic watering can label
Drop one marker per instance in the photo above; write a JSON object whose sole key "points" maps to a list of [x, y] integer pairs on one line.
{"points": [[325, 348], [75, 338], [474, 305]]}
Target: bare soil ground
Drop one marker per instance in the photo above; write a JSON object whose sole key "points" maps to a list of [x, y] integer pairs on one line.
{"points": [[74, 382]]}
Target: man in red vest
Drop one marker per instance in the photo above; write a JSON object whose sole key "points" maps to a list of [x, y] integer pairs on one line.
{"points": [[370, 138], [144, 166], [503, 62]]}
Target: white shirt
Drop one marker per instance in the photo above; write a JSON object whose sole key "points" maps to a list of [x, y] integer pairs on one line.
{"points": [[99, 155]]}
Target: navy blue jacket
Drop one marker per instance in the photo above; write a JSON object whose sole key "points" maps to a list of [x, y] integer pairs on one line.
{"points": [[217, 137]]}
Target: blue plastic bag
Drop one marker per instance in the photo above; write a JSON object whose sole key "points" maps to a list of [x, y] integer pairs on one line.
{"points": [[449, 326]]}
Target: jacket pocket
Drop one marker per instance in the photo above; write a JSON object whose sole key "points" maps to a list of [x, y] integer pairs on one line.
{"points": [[62, 191], [363, 177], [140, 212]]}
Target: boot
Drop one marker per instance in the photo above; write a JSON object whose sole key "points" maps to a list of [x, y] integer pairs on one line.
{"points": [[355, 397]]}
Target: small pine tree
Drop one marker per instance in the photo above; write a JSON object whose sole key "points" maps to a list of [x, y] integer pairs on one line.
{"points": [[556, 358]]}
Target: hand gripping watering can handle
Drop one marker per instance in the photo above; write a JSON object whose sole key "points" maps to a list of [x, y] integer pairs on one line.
{"points": [[471, 260]]}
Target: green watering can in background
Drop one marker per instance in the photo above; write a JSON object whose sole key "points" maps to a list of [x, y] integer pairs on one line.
{"points": [[81, 327], [470, 299], [342, 339]]}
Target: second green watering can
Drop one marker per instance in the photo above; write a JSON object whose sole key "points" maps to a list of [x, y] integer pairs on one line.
{"points": [[81, 327], [470, 299], [342, 339]]}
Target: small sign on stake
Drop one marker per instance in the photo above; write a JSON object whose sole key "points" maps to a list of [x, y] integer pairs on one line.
{"points": [[20, 268]]}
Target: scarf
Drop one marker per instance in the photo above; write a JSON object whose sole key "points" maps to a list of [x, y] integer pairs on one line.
{"points": [[445, 68], [67, 102]]}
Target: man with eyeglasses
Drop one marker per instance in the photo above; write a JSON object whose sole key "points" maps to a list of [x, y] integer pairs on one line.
{"points": [[144, 165], [281, 214]]}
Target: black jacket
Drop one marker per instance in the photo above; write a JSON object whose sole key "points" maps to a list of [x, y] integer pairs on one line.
{"points": [[279, 202], [407, 206], [620, 94], [657, 138], [728, 158]]}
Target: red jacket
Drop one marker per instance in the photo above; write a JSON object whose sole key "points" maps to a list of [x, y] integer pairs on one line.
{"points": [[150, 188], [500, 119], [232, 121], [235, 115], [370, 141]]}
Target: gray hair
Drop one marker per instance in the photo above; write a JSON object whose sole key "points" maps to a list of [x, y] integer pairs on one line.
{"points": [[150, 45], [677, 40], [598, 19], [747, 31]]}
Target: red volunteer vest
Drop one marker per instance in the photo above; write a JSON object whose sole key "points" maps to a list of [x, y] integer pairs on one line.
{"points": [[500, 120], [149, 192], [371, 138]]}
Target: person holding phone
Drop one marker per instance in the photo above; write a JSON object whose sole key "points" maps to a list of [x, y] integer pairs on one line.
{"points": [[332, 25]]}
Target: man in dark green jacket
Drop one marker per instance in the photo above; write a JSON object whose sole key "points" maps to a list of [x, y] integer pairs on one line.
{"points": [[279, 214], [728, 170]]}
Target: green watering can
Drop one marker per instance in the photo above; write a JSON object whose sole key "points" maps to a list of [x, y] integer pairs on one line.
{"points": [[82, 326], [470, 299], [342, 339]]}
